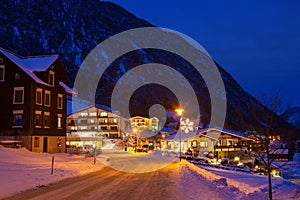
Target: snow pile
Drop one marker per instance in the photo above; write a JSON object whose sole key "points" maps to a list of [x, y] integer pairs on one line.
{"points": [[248, 185], [21, 169]]}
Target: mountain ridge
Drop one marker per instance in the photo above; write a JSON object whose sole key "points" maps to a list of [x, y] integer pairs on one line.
{"points": [[72, 31]]}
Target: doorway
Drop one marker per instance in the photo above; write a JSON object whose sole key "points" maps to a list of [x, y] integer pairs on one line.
{"points": [[45, 146]]}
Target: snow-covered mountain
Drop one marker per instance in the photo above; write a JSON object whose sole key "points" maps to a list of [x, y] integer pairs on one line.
{"points": [[72, 29], [292, 116]]}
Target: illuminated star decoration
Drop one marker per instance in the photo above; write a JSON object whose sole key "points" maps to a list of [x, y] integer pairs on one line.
{"points": [[187, 125]]}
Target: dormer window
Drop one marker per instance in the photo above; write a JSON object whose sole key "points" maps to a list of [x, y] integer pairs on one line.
{"points": [[51, 78]]}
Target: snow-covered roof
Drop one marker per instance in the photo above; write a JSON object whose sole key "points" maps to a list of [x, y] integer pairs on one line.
{"points": [[67, 89], [177, 136], [172, 124], [164, 129], [230, 132], [77, 105], [279, 151], [31, 64]]}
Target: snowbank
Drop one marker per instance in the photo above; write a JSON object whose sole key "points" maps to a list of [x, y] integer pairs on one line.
{"points": [[21, 169], [248, 185]]}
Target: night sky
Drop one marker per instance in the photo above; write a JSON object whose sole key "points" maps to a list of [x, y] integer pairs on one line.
{"points": [[257, 42]]}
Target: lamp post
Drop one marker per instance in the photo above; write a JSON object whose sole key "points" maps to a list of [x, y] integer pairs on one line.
{"points": [[179, 112]]}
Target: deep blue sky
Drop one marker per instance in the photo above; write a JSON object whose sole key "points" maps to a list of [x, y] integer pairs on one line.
{"points": [[257, 42]]}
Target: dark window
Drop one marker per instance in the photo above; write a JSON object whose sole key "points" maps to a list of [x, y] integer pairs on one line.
{"points": [[36, 142], [51, 78], [47, 98], [46, 119], [84, 121], [19, 95], [39, 96], [2, 74], [72, 122], [38, 119], [18, 120], [114, 128], [59, 101], [17, 76]]}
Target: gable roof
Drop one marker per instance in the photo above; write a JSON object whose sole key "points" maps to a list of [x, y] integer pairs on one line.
{"points": [[77, 105], [31, 64], [67, 89], [225, 131]]}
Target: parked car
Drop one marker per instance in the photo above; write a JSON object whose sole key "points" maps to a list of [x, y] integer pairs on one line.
{"points": [[144, 148]]}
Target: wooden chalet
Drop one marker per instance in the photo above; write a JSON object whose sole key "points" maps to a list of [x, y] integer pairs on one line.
{"points": [[33, 101]]}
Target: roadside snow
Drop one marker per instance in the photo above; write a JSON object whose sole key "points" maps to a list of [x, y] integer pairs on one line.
{"points": [[253, 185], [21, 169]]}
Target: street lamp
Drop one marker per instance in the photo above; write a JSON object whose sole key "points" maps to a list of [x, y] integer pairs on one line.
{"points": [[179, 112]]}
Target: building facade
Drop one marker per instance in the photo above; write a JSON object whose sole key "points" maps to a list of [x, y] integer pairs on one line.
{"points": [[33, 103], [216, 142], [87, 126], [151, 124]]}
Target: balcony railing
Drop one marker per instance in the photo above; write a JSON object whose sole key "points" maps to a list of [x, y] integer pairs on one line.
{"points": [[230, 146]]}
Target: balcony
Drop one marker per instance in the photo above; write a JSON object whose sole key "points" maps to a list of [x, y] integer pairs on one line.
{"points": [[232, 146]]}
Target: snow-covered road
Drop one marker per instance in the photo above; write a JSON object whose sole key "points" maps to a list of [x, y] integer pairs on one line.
{"points": [[176, 181], [127, 175]]}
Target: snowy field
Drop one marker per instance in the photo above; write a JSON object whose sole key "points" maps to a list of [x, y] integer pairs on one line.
{"points": [[21, 169]]}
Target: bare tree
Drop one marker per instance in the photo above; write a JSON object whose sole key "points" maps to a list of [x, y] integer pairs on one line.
{"points": [[267, 115]]}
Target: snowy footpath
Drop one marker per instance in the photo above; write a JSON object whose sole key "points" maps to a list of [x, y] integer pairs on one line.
{"points": [[166, 177]]}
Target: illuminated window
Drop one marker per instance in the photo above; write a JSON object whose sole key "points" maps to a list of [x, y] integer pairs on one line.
{"points": [[38, 96], [83, 128], [229, 142], [51, 78], [46, 119], [47, 98], [38, 119], [18, 119], [2, 73], [103, 114], [18, 95], [83, 114], [93, 114], [59, 120], [203, 144], [59, 101], [194, 143]]}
